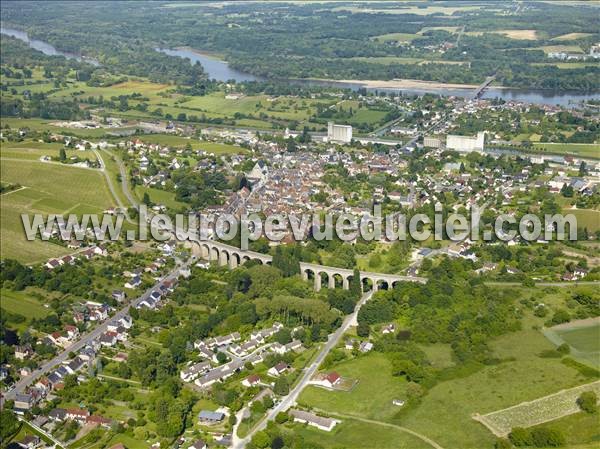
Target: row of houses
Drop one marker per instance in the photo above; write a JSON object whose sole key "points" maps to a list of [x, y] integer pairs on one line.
{"points": [[116, 331], [70, 259], [81, 416]]}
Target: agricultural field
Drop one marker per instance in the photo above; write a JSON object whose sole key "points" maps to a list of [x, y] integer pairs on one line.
{"points": [[571, 36], [586, 218], [528, 35], [50, 125], [395, 37], [448, 29], [561, 48], [46, 188], [536, 412], [24, 303], [390, 60], [33, 150], [417, 10], [580, 149], [582, 336], [283, 108], [568, 65]]}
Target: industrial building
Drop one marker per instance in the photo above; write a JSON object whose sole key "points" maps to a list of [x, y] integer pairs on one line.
{"points": [[431, 142], [339, 133], [466, 143]]}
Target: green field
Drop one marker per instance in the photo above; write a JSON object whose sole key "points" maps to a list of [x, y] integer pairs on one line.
{"points": [[586, 339], [579, 149], [571, 36], [370, 398], [400, 37], [181, 142], [159, 196], [561, 48], [354, 434], [579, 429], [24, 304], [450, 404], [522, 376], [586, 218], [33, 150], [48, 188], [47, 125]]}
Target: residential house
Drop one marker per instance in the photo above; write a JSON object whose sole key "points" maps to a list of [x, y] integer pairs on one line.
{"points": [[208, 417], [278, 370], [134, 282], [23, 352], [77, 414], [251, 381], [192, 372], [320, 422], [198, 444], [23, 403]]}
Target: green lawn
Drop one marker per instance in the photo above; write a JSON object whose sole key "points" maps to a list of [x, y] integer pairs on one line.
{"points": [[370, 398], [579, 149]]}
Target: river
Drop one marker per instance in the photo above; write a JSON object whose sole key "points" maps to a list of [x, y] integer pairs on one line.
{"points": [[45, 47], [221, 71]]}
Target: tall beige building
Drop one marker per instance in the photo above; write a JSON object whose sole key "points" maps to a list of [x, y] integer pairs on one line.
{"points": [[339, 133], [466, 143]]}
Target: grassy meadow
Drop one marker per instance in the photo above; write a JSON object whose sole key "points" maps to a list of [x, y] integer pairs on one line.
{"points": [[47, 188]]}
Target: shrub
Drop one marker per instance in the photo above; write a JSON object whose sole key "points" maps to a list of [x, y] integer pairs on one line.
{"points": [[588, 402]]}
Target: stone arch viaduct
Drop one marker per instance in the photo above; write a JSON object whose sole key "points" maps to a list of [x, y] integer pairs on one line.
{"points": [[332, 277]]}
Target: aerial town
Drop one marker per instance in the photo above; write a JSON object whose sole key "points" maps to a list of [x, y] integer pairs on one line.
{"points": [[476, 126]]}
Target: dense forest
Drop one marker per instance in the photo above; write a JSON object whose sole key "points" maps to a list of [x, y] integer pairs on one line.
{"points": [[313, 40]]}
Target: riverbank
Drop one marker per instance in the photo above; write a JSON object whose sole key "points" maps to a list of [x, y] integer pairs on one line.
{"points": [[405, 84], [220, 57]]}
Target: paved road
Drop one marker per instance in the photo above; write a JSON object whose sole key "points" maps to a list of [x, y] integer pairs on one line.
{"points": [[22, 384], [290, 399]]}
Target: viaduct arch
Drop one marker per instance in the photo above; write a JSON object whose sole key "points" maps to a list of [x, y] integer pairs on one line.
{"points": [[231, 256]]}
